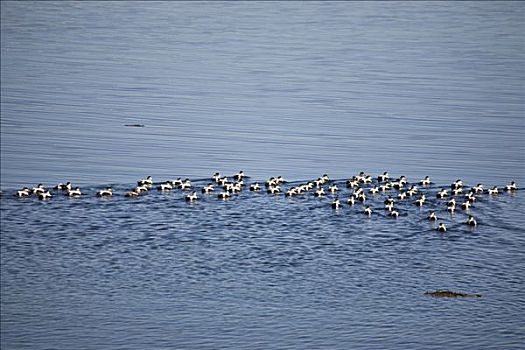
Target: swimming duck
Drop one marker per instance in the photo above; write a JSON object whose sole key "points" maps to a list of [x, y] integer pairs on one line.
{"points": [[44, 195], [146, 182], [132, 194], [38, 189], [207, 189], [239, 176], [223, 195], [471, 221], [432, 216], [255, 187], [374, 190], [185, 185], [222, 181], [165, 187], [420, 201], [451, 209], [511, 186], [274, 190], [457, 184], [384, 177], [107, 192], [63, 187], [493, 191], [176, 183], [478, 188], [320, 192], [389, 207], [291, 192], [361, 197], [350, 201], [457, 191], [469, 196], [426, 181], [389, 200], [24, 192], [191, 197], [442, 194], [385, 187], [141, 188], [74, 193], [336, 204], [215, 177], [394, 214], [333, 188], [451, 203], [442, 227], [325, 178], [368, 211], [402, 195], [466, 205], [413, 190], [352, 183]]}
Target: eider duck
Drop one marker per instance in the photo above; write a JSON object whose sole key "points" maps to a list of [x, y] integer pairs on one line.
{"points": [[389, 200], [274, 190], [374, 190], [333, 188], [336, 204], [394, 214], [24, 192], [239, 176], [426, 181], [478, 188], [466, 205], [107, 192], [38, 189], [432, 216], [350, 201], [44, 195], [191, 197], [255, 187], [451, 209], [368, 211], [352, 183], [420, 201], [471, 221], [63, 187], [384, 177], [141, 188], [511, 186], [132, 194], [146, 182], [74, 193], [291, 192], [442, 194], [389, 207], [208, 189], [385, 187], [185, 185], [223, 195], [320, 192], [457, 191], [165, 187], [361, 197], [442, 227], [215, 177], [457, 184], [451, 203], [402, 195], [493, 191]]}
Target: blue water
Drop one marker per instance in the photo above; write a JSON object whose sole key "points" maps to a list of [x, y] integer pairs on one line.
{"points": [[272, 88]]}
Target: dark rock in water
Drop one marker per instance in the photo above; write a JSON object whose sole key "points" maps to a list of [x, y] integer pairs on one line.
{"points": [[135, 125], [451, 294]]}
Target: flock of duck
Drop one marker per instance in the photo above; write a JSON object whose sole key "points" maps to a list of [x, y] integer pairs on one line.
{"points": [[362, 186]]}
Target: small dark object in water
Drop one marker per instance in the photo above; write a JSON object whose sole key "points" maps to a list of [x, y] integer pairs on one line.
{"points": [[135, 125], [451, 294]]}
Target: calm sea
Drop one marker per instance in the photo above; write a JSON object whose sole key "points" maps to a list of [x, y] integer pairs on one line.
{"points": [[296, 89]]}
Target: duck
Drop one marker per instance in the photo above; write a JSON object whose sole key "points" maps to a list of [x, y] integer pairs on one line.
{"points": [[223, 195], [333, 188], [350, 201], [146, 182], [442, 194], [320, 192], [471, 221], [451, 209], [255, 187], [215, 177], [361, 197], [457, 184], [185, 185], [441, 227], [374, 190], [222, 181], [132, 194], [24, 192], [389, 207], [466, 205], [44, 195], [336, 204], [511, 186], [325, 178], [38, 189], [457, 191], [352, 183], [292, 192], [63, 187], [176, 183], [165, 187], [451, 203], [493, 191], [384, 177], [239, 176], [141, 188], [368, 211], [420, 201], [389, 200], [107, 192], [412, 191], [432, 216], [469, 196], [385, 187], [478, 188], [402, 195], [274, 190], [74, 193], [207, 189], [191, 197], [394, 214], [425, 181]]}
